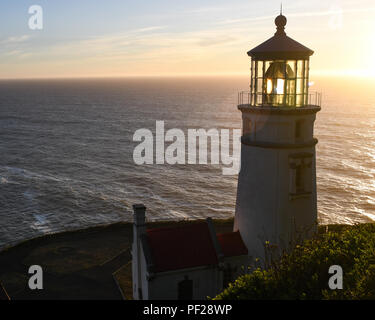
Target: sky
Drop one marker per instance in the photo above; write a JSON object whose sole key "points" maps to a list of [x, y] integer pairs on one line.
{"points": [[115, 38]]}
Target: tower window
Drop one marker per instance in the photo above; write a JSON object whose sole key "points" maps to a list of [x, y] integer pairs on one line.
{"points": [[298, 129], [247, 127], [300, 185], [300, 174]]}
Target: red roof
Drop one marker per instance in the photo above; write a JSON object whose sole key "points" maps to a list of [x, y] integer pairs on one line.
{"points": [[181, 247], [231, 244]]}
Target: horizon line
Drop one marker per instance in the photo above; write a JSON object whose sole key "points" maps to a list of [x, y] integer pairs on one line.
{"points": [[335, 74]]}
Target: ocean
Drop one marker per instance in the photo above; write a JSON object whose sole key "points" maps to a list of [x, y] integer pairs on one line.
{"points": [[66, 151]]}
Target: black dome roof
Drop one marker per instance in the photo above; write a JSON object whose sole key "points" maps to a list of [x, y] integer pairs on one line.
{"points": [[280, 46]]}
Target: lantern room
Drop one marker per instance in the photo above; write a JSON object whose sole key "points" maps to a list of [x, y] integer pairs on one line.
{"points": [[279, 71]]}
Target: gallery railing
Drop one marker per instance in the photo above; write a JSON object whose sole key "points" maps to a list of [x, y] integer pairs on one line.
{"points": [[279, 100]]}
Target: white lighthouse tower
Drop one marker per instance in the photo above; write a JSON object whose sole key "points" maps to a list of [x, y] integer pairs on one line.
{"points": [[276, 197]]}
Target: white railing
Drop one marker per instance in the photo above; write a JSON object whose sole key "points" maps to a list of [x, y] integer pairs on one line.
{"points": [[278, 100]]}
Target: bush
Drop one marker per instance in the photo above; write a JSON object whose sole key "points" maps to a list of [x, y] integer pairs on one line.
{"points": [[303, 274]]}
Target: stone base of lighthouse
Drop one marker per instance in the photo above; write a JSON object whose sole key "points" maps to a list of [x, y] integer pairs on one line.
{"points": [[276, 196]]}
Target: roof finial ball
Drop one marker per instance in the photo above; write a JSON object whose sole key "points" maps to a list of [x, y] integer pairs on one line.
{"points": [[280, 22]]}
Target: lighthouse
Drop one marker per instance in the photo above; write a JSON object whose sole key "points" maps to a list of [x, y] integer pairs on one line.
{"points": [[276, 196]]}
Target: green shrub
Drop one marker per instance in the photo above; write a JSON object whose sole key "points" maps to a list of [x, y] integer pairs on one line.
{"points": [[303, 274]]}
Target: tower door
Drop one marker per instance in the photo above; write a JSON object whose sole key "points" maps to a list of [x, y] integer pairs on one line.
{"points": [[185, 289]]}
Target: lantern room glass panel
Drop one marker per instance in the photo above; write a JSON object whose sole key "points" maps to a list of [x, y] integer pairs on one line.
{"points": [[279, 83]]}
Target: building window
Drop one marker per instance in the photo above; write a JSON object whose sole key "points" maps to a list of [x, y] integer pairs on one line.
{"points": [[185, 289], [228, 273]]}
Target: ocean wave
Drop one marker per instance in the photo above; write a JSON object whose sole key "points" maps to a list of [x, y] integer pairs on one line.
{"points": [[66, 161], [3, 180]]}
